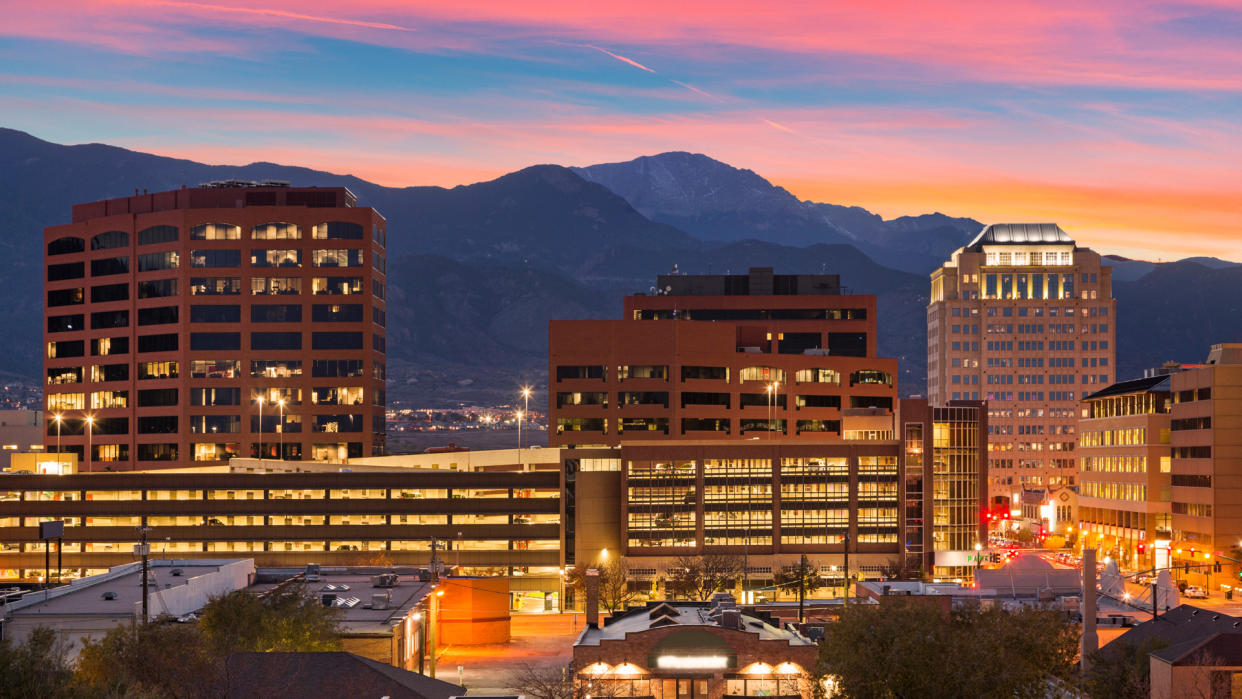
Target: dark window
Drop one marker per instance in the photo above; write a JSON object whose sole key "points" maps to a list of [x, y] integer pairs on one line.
{"points": [[336, 423], [643, 398], [871, 402], [110, 372], [693, 398], [215, 258], [379, 343], [813, 401], [749, 400], [847, 344], [344, 368], [1191, 481], [215, 396], [336, 312], [110, 425], [215, 424], [215, 314], [700, 424], [799, 343], [336, 341], [713, 373], [66, 348], [215, 286], [276, 341], [109, 265], [818, 426], [157, 343], [109, 240], [158, 397], [107, 346], [337, 230], [157, 452], [590, 371], [65, 297], [64, 324], [154, 261], [160, 315], [66, 246], [157, 234], [276, 313], [157, 288], [157, 424], [109, 292], [68, 270], [215, 341]]}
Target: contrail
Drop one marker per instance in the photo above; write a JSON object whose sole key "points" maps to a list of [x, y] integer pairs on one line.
{"points": [[692, 88], [621, 58], [293, 15], [780, 127]]}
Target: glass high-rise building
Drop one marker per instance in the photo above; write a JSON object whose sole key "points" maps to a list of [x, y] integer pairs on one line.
{"points": [[1023, 318], [232, 319]]}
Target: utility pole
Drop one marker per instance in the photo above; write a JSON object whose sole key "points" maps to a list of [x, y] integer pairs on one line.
{"points": [[802, 566], [845, 600], [144, 549]]}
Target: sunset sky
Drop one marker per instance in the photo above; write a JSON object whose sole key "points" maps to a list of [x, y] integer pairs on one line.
{"points": [[1121, 120]]}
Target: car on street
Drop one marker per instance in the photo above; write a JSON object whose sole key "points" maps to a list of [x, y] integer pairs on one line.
{"points": [[1194, 592]]}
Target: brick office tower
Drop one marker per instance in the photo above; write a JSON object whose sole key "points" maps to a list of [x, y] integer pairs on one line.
{"points": [[1025, 319], [744, 356], [174, 319]]}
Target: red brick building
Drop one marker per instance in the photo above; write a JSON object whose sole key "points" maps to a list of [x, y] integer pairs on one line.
{"points": [[720, 357], [174, 319]]}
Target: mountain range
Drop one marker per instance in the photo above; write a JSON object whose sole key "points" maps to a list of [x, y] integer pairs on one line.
{"points": [[476, 271]]}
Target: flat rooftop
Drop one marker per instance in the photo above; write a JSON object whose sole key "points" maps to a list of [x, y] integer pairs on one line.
{"points": [[359, 618], [226, 194], [689, 615]]}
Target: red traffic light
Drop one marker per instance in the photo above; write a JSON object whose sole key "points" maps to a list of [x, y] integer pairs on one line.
{"points": [[1142, 547]]}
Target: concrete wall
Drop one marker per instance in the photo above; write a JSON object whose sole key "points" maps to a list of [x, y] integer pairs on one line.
{"points": [[598, 524], [473, 611]]}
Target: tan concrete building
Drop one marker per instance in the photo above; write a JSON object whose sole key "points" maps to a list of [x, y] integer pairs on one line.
{"points": [[1125, 462], [1206, 473], [1023, 318]]}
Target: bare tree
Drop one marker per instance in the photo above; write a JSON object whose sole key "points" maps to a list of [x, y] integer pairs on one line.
{"points": [[800, 579], [699, 577], [900, 568], [615, 591], [543, 681]]}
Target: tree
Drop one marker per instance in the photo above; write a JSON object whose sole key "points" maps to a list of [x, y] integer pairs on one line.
{"points": [[287, 619], [900, 568], [913, 648], [37, 668], [615, 591], [699, 577], [155, 659], [543, 681], [801, 579], [1122, 670]]}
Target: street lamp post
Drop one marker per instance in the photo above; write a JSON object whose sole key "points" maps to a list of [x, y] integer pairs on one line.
{"points": [[519, 421]]}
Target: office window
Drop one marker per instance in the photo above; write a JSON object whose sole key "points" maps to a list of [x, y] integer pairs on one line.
{"points": [[337, 230], [106, 346], [276, 341], [340, 368], [66, 348], [215, 368], [157, 397], [275, 258], [157, 234], [275, 368], [337, 395], [157, 343], [215, 314], [101, 400], [215, 231], [101, 373], [109, 319], [157, 370], [336, 285], [336, 313], [66, 246], [157, 452], [68, 270], [157, 288], [61, 402], [275, 286], [215, 286], [154, 261], [336, 423], [66, 323], [159, 315], [215, 424], [276, 231], [276, 313], [109, 240], [157, 424], [109, 266], [215, 258], [336, 258], [336, 341], [64, 375], [66, 297]]}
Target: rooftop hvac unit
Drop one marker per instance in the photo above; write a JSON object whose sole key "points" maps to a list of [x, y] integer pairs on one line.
{"points": [[177, 572], [328, 599], [380, 600], [109, 595], [384, 580]]}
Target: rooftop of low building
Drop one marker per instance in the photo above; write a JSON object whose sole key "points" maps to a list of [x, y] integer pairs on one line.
{"points": [[715, 614]]}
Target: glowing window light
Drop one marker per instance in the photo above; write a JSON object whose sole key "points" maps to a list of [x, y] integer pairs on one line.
{"points": [[692, 662]]}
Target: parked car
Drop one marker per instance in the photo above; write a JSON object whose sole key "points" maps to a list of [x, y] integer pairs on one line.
{"points": [[1194, 592]]}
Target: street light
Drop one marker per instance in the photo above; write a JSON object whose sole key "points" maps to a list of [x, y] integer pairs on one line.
{"points": [[281, 427], [519, 421], [525, 410], [90, 424]]}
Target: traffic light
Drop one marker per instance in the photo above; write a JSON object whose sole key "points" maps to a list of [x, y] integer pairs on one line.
{"points": [[1142, 548], [1216, 566], [1185, 567]]}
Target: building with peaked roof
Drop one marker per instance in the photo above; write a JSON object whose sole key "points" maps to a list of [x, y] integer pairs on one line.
{"points": [[1022, 317], [1203, 667], [692, 650], [330, 675]]}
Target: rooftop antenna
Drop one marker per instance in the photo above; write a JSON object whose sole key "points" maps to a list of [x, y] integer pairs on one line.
{"points": [[675, 268]]}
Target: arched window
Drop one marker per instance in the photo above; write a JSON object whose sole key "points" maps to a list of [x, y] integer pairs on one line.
{"points": [[871, 376], [338, 230], [762, 373], [818, 376], [276, 231], [157, 234], [65, 246], [109, 240], [215, 231]]}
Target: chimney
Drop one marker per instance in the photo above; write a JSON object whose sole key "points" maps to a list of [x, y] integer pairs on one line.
{"points": [[1090, 639], [592, 599]]}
